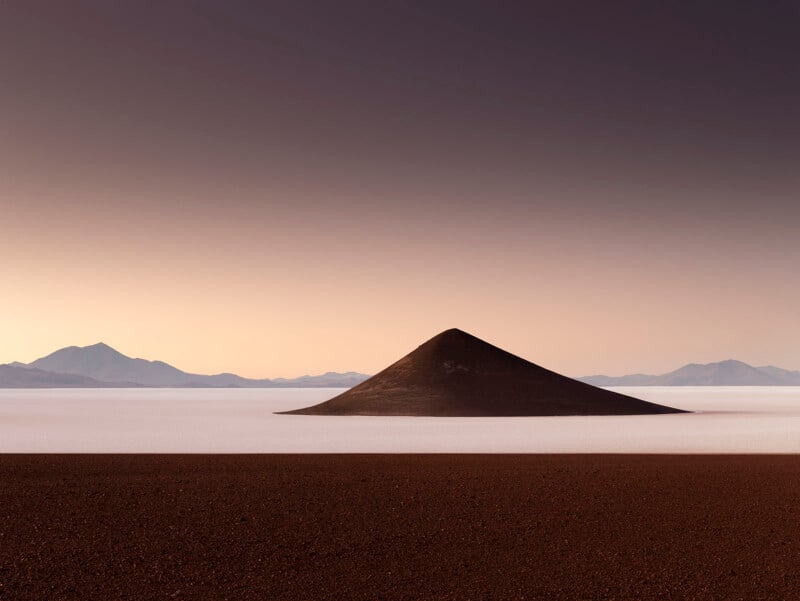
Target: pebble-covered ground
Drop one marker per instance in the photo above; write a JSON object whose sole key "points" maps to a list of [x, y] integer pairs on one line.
{"points": [[384, 527]]}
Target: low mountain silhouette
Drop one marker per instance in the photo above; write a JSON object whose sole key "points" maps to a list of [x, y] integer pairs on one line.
{"points": [[101, 365], [22, 376], [101, 362], [723, 373], [456, 374]]}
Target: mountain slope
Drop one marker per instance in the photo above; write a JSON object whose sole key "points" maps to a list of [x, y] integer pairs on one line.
{"points": [[456, 374], [722, 373], [18, 376], [791, 378]]}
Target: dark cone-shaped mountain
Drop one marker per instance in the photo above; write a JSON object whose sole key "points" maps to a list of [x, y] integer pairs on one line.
{"points": [[455, 374]]}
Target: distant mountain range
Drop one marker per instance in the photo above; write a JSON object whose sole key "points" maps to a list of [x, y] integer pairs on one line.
{"points": [[723, 373], [99, 366]]}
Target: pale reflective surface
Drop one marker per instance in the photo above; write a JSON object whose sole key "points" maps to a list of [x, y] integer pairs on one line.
{"points": [[728, 420]]}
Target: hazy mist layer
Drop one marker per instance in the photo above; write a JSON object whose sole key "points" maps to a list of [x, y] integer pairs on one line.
{"points": [[727, 420]]}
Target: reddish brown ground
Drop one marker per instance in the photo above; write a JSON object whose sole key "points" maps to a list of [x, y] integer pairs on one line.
{"points": [[399, 527]]}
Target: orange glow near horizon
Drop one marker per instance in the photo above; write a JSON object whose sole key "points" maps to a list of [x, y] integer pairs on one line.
{"points": [[275, 300]]}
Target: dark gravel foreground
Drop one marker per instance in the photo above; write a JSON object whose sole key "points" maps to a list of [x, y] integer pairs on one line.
{"points": [[399, 527]]}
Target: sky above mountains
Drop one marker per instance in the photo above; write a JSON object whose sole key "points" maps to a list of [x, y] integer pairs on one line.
{"points": [[282, 188]]}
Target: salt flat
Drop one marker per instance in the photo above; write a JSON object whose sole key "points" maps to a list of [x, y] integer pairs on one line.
{"points": [[725, 420]]}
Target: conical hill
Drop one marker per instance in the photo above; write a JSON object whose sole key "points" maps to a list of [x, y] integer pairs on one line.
{"points": [[455, 374]]}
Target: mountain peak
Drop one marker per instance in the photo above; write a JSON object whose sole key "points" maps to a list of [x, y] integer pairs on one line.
{"points": [[99, 347], [452, 333], [454, 341]]}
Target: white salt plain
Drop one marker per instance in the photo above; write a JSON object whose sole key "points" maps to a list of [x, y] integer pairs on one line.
{"points": [[726, 420]]}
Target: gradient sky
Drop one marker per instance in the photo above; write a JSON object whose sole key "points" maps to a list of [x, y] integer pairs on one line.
{"points": [[280, 188]]}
